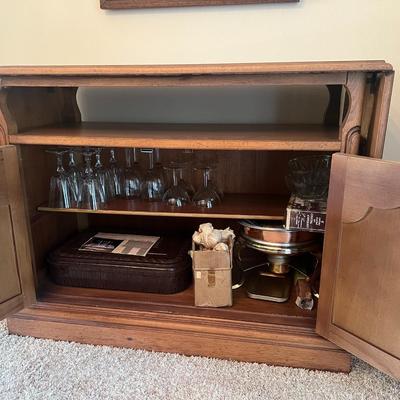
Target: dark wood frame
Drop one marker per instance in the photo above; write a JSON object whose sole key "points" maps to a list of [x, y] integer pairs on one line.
{"points": [[126, 4]]}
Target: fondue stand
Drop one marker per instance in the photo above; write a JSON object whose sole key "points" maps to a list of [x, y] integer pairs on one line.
{"points": [[281, 246]]}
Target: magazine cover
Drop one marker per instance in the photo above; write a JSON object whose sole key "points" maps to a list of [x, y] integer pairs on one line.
{"points": [[134, 245]]}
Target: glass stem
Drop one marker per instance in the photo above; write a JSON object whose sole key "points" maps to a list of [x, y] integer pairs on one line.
{"points": [[128, 159], [88, 167], [112, 157], [206, 177], [60, 167], [98, 158], [151, 160], [157, 152], [98, 161], [72, 159], [134, 155], [174, 177]]}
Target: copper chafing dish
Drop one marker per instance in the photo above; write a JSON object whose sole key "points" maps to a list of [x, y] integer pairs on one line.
{"points": [[272, 237]]}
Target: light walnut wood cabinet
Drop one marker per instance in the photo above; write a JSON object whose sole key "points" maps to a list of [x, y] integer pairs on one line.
{"points": [[360, 286]]}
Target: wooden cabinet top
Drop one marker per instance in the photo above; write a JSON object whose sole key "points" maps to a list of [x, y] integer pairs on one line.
{"points": [[196, 69]]}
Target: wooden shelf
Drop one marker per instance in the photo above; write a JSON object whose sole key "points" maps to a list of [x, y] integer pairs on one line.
{"points": [[185, 136], [251, 330], [234, 206], [244, 309]]}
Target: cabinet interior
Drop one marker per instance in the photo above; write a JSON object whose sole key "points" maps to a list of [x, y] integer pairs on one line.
{"points": [[254, 186], [250, 132]]}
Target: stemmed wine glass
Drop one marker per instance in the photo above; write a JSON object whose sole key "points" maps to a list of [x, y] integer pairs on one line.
{"points": [[158, 167], [91, 195], [210, 160], [184, 183], [214, 186], [132, 177], [74, 174], [185, 173], [92, 187], [136, 163], [153, 183], [61, 193], [116, 175], [206, 196], [176, 195], [102, 174]]}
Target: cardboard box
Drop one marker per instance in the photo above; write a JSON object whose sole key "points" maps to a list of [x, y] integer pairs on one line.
{"points": [[212, 271]]}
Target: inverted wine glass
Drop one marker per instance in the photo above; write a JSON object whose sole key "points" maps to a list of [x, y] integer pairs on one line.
{"points": [[159, 168], [132, 177], [206, 196], [213, 184], [176, 195], [153, 187], [61, 193], [184, 182], [186, 159], [103, 176], [116, 175], [74, 173], [91, 196]]}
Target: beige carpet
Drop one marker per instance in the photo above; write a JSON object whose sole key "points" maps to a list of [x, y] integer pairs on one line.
{"points": [[44, 369]]}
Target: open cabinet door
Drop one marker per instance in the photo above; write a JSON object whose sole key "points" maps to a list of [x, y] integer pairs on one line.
{"points": [[359, 306], [17, 287]]}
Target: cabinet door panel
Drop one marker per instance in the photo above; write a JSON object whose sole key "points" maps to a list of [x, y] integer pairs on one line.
{"points": [[16, 275], [359, 307], [9, 269], [366, 285]]}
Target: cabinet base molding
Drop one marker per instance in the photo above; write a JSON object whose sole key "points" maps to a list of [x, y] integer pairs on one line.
{"points": [[281, 345]]}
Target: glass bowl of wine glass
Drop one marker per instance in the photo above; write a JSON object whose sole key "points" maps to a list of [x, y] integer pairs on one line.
{"points": [[308, 176]]}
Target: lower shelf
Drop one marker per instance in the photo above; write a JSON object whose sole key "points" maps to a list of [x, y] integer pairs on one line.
{"points": [[253, 331], [182, 304]]}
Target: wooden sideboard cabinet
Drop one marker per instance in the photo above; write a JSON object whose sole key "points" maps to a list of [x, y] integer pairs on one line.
{"points": [[358, 309]]}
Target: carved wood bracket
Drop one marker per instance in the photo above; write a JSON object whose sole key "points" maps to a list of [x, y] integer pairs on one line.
{"points": [[353, 140], [350, 130], [35, 107]]}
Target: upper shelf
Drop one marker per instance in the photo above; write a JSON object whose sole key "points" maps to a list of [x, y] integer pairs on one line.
{"points": [[185, 136], [321, 73]]}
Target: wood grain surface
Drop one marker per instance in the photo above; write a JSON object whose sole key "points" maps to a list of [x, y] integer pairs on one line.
{"points": [[41, 110], [185, 136], [126, 4], [359, 293], [243, 309], [9, 266], [17, 280], [195, 69], [380, 115], [234, 206], [351, 125], [256, 332], [183, 80]]}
